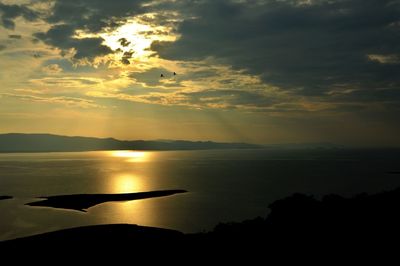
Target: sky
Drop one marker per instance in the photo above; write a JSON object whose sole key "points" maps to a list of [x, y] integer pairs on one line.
{"points": [[258, 71]]}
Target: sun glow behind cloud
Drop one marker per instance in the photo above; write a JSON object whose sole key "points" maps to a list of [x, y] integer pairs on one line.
{"points": [[132, 40]]}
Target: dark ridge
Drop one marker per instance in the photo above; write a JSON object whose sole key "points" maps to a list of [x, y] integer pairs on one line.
{"points": [[15, 142], [81, 202], [393, 172], [97, 235], [5, 197]]}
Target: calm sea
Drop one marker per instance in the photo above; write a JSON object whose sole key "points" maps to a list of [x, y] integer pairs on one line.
{"points": [[226, 185]]}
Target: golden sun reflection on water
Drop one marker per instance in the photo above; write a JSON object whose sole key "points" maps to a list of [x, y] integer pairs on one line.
{"points": [[128, 175], [142, 212], [127, 183], [132, 156], [133, 211]]}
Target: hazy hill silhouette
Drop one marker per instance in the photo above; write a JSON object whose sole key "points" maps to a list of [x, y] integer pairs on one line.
{"points": [[16, 142]]}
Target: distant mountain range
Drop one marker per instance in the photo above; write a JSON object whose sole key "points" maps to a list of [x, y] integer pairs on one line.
{"points": [[16, 142], [305, 146]]}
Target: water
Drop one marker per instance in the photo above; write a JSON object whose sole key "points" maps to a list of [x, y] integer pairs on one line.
{"points": [[229, 185]]}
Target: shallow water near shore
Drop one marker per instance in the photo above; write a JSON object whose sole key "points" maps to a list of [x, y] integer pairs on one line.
{"points": [[222, 185]]}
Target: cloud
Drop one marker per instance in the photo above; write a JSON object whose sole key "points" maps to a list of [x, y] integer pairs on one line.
{"points": [[62, 37], [302, 46], [94, 15], [385, 59], [124, 42], [201, 86], [10, 12], [126, 56], [250, 54], [87, 16], [64, 100], [230, 98], [65, 82], [52, 69], [384, 95], [226, 100], [14, 36], [151, 77]]}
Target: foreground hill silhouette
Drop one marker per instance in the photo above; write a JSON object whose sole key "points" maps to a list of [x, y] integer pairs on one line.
{"points": [[299, 224], [15, 142]]}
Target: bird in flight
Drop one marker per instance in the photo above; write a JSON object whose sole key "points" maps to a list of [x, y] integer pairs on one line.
{"points": [[162, 75]]}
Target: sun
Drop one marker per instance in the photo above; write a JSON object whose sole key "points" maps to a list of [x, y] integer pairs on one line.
{"points": [[129, 37], [132, 40]]}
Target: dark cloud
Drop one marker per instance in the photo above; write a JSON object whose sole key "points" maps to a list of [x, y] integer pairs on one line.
{"points": [[90, 16], [307, 48], [150, 77], [124, 42], [9, 12], [126, 56], [368, 95], [61, 36], [202, 74], [94, 15], [69, 68], [14, 36], [230, 98]]}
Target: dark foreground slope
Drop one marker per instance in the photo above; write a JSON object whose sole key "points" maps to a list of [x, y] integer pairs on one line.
{"points": [[365, 225]]}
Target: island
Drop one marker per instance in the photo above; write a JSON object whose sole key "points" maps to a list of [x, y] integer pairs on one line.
{"points": [[5, 197], [81, 202]]}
